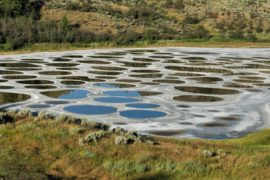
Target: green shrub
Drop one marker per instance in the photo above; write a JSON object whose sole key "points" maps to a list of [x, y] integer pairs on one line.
{"points": [[94, 136], [5, 118], [46, 115], [14, 8], [24, 113], [200, 33], [72, 6], [191, 20]]}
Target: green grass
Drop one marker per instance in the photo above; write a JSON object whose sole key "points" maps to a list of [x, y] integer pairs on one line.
{"points": [[41, 149]]}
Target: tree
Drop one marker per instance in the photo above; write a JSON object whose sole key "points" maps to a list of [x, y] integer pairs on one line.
{"points": [[65, 23], [14, 8]]}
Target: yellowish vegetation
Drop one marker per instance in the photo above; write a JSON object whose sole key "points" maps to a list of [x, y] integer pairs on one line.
{"points": [[50, 149]]}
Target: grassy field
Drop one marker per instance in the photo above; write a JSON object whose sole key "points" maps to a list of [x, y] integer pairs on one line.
{"points": [[34, 148], [141, 44]]}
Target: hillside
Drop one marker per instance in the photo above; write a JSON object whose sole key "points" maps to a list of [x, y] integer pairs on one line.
{"points": [[128, 21], [167, 17]]}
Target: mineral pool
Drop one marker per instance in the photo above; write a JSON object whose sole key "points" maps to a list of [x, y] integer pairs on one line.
{"points": [[209, 93]]}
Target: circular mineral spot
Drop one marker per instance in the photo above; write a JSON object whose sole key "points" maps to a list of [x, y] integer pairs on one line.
{"points": [[143, 105], [12, 97], [167, 133], [94, 62], [198, 69], [161, 57], [172, 61], [145, 60], [56, 102], [207, 80], [212, 124], [10, 72], [142, 114], [193, 98], [134, 64], [146, 75], [183, 106], [73, 56], [39, 61], [186, 123], [55, 73], [206, 90], [111, 73], [248, 81], [90, 109], [17, 65], [38, 106], [62, 64], [67, 94], [187, 74], [145, 71], [131, 93], [40, 87], [116, 100], [105, 57], [24, 69], [169, 81], [61, 60], [233, 117], [236, 85], [150, 83], [6, 87], [68, 68], [195, 58], [105, 77], [72, 82], [114, 85], [19, 77], [80, 78], [109, 68], [35, 82], [129, 80]]}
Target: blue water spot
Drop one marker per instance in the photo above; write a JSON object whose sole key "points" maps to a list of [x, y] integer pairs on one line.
{"points": [[142, 114], [75, 94], [90, 109], [116, 100], [123, 93], [67, 94], [143, 105]]}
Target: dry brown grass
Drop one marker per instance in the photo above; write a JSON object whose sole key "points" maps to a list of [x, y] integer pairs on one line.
{"points": [[45, 148], [88, 21]]}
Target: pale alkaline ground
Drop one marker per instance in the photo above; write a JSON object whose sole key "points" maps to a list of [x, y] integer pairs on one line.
{"points": [[182, 92]]}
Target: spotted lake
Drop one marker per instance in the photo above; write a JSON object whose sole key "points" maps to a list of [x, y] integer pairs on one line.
{"points": [[182, 92]]}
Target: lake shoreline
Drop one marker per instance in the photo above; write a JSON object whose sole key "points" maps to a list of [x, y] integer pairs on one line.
{"points": [[70, 47]]}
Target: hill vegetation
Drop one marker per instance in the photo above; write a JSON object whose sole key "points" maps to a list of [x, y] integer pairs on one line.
{"points": [[24, 22]]}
